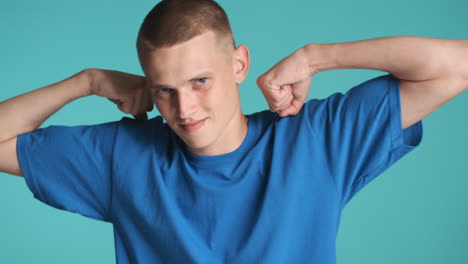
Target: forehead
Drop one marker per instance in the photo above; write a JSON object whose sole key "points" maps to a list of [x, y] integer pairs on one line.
{"points": [[182, 61]]}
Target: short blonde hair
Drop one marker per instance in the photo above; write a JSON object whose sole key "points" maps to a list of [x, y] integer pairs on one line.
{"points": [[175, 21]]}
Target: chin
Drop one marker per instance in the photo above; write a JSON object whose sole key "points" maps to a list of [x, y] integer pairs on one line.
{"points": [[194, 142]]}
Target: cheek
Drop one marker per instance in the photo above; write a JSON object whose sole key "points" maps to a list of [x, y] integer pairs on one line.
{"points": [[226, 100], [162, 107], [218, 96]]}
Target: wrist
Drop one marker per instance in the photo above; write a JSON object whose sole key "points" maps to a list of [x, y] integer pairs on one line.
{"points": [[89, 76], [319, 57]]}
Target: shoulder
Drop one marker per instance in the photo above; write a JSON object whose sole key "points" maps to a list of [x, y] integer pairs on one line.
{"points": [[146, 131]]}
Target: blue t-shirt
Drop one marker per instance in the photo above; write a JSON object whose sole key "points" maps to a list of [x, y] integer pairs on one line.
{"points": [[278, 198]]}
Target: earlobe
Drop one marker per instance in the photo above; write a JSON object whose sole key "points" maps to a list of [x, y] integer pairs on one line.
{"points": [[241, 61]]}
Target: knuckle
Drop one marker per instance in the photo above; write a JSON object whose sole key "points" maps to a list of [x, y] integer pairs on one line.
{"points": [[272, 108], [265, 82], [261, 80], [124, 109], [270, 84], [277, 100]]}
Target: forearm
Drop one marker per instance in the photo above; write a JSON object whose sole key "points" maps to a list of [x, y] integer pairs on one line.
{"points": [[406, 57], [26, 112]]}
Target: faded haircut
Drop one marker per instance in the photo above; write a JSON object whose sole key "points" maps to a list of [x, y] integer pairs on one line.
{"points": [[172, 22]]}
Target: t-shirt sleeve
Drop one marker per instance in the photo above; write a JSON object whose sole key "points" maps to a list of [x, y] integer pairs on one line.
{"points": [[69, 167], [361, 132]]}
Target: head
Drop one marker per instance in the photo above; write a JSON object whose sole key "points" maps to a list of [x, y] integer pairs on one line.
{"points": [[193, 69]]}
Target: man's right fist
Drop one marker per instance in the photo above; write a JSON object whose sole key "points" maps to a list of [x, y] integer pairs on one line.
{"points": [[126, 90]]}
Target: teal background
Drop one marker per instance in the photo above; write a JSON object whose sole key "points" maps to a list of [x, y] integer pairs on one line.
{"points": [[415, 212]]}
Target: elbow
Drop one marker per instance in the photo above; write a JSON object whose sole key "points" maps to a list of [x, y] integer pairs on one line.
{"points": [[456, 65]]}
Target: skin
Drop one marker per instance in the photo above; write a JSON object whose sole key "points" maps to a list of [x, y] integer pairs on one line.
{"points": [[424, 86], [200, 79], [431, 71]]}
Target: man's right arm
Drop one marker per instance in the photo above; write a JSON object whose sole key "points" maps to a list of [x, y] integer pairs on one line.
{"points": [[26, 112]]}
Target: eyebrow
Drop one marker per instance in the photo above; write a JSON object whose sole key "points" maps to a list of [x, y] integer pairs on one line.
{"points": [[194, 78]]}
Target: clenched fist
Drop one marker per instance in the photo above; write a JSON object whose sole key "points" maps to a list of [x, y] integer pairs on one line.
{"points": [[126, 90], [286, 85]]}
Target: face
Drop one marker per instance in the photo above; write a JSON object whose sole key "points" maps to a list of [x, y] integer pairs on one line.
{"points": [[197, 82]]}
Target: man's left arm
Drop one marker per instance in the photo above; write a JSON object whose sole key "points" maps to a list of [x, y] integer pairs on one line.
{"points": [[432, 71]]}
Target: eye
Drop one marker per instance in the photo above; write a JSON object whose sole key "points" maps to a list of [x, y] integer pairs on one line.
{"points": [[202, 80], [164, 90]]}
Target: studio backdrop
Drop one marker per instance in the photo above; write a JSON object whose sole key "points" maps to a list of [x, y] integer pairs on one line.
{"points": [[415, 212]]}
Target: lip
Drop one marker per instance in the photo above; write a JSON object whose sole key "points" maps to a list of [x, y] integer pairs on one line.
{"points": [[193, 127]]}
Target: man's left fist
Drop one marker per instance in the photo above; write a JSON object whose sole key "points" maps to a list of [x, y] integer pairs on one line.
{"points": [[286, 85]]}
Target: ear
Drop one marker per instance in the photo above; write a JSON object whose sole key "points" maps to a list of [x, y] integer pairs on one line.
{"points": [[241, 63]]}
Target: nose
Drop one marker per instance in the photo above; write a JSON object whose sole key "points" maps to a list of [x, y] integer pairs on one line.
{"points": [[186, 104]]}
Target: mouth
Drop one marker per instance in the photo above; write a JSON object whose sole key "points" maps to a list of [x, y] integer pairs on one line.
{"points": [[193, 126]]}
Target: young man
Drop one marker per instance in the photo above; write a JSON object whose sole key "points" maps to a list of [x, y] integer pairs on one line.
{"points": [[212, 185]]}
